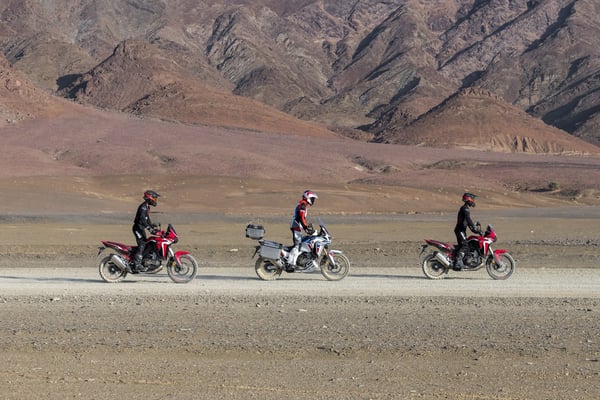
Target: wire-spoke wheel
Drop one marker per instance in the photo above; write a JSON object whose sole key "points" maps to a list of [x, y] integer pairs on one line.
{"points": [[184, 271], [502, 270], [266, 270], [432, 268], [109, 272], [337, 271]]}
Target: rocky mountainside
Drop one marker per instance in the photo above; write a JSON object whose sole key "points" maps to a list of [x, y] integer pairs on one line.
{"points": [[485, 116], [142, 79], [20, 99], [390, 70]]}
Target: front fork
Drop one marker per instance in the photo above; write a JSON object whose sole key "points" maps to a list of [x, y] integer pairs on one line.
{"points": [[496, 254], [176, 256], [330, 256]]}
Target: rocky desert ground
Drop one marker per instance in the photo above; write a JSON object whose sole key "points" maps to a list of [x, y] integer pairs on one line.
{"points": [[230, 109], [384, 332]]}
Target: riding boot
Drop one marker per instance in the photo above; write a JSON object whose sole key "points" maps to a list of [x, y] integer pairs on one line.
{"points": [[291, 258], [458, 264], [137, 263]]}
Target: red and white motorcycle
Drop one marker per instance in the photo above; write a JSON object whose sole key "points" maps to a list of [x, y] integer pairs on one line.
{"points": [[181, 265], [499, 263], [314, 254]]}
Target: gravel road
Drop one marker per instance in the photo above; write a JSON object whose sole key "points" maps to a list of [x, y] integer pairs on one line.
{"points": [[381, 333], [366, 282]]}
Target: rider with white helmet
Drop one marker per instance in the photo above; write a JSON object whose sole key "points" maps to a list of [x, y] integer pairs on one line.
{"points": [[300, 223]]}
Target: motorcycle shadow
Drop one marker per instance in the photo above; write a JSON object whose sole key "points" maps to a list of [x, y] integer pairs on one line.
{"points": [[448, 277], [386, 276], [226, 277], [46, 279]]}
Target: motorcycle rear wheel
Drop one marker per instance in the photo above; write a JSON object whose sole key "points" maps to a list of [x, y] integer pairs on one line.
{"points": [[339, 270], [503, 270], [183, 272], [432, 268], [266, 270], [109, 272]]}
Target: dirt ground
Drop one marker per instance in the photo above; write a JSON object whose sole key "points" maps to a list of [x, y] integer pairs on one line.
{"points": [[70, 181], [275, 340]]}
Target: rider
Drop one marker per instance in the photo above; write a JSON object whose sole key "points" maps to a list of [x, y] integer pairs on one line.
{"points": [[141, 223], [463, 221], [299, 223]]}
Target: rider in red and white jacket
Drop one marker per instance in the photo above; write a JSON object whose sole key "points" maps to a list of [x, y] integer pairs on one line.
{"points": [[300, 223]]}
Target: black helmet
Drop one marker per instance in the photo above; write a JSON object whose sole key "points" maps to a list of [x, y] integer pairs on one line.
{"points": [[469, 198], [150, 196]]}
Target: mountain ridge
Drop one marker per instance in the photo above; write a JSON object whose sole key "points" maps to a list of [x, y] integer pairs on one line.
{"points": [[371, 69]]}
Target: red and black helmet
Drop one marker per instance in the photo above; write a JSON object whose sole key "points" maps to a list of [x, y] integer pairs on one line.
{"points": [[150, 196], [310, 197], [469, 198]]}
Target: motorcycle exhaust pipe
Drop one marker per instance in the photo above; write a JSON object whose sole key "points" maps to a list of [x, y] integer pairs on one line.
{"points": [[119, 262], [442, 258]]}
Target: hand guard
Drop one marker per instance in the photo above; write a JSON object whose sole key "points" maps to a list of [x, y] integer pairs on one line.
{"points": [[310, 230]]}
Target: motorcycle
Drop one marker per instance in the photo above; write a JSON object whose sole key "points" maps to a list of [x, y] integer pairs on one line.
{"points": [[314, 254], [499, 263], [181, 265]]}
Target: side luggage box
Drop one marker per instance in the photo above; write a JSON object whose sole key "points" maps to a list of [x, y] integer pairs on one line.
{"points": [[271, 250]]}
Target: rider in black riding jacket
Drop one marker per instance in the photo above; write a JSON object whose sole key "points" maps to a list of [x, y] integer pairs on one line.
{"points": [[464, 221], [141, 223]]}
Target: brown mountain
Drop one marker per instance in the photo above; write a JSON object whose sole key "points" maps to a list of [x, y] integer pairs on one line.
{"points": [[141, 79], [376, 66], [20, 99], [476, 119]]}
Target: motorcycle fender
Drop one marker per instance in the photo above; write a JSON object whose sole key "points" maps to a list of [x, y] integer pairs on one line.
{"points": [[330, 254], [178, 255], [497, 253]]}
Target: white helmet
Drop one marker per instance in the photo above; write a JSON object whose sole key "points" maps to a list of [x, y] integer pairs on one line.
{"points": [[309, 196]]}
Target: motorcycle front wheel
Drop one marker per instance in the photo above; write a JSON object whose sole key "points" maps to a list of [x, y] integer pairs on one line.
{"points": [[109, 272], [183, 272], [503, 270], [337, 271], [432, 268], [266, 270]]}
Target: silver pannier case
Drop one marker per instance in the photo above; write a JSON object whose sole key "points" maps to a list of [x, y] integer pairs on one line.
{"points": [[255, 232], [270, 250]]}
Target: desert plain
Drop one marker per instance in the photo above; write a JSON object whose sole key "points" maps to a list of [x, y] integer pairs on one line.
{"points": [[456, 95], [384, 332]]}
